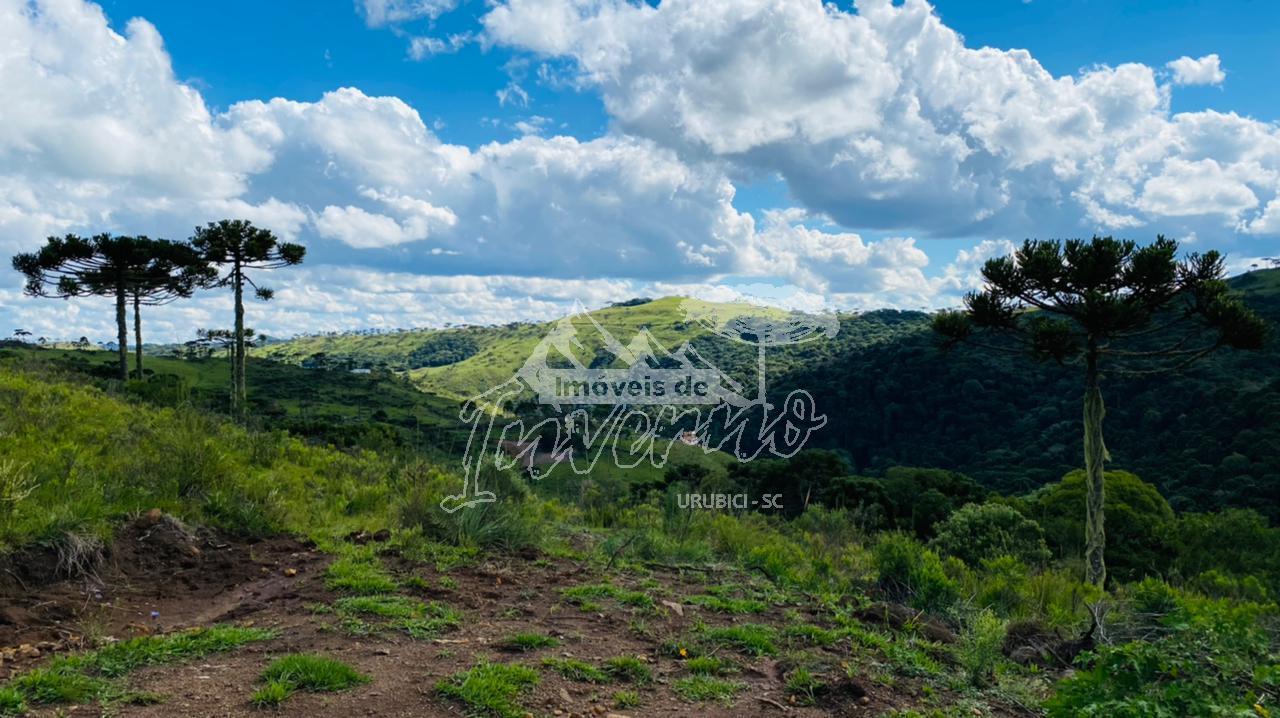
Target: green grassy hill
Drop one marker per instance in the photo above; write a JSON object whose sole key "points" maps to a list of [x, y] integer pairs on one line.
{"points": [[462, 362], [76, 461], [346, 409]]}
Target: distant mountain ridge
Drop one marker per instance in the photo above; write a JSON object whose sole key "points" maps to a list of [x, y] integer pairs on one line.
{"points": [[1208, 438]]}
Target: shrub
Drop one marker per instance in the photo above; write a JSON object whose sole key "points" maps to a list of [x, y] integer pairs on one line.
{"points": [[977, 532], [978, 652], [911, 573], [1136, 516], [1203, 657]]}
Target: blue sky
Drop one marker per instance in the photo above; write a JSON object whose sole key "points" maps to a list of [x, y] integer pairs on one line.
{"points": [[469, 161]]}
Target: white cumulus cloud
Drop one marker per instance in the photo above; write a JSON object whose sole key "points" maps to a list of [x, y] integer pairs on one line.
{"points": [[1206, 70]]}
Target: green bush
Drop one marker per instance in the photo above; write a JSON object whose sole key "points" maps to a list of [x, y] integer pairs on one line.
{"points": [[913, 574], [1137, 517], [978, 652], [978, 532], [1188, 656]]}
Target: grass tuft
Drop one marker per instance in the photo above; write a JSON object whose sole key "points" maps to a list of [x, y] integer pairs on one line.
{"points": [[359, 576], [627, 699], [11, 702], [86, 677], [272, 694], [317, 674], [576, 670], [528, 642], [705, 688], [586, 595], [628, 668], [750, 638], [492, 687], [721, 604]]}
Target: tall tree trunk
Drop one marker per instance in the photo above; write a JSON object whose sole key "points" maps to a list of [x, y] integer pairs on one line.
{"points": [[137, 334], [239, 395], [1095, 458], [122, 333]]}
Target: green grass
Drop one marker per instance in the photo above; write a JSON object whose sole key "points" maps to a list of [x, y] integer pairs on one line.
{"points": [[627, 699], [491, 687], [628, 668], [721, 604], [418, 619], [358, 575], [803, 686], [750, 638], [528, 641], [58, 685], [813, 635], [12, 702], [437, 618], [317, 674], [380, 606], [114, 458], [584, 595], [576, 670], [698, 689], [89, 676], [272, 694]]}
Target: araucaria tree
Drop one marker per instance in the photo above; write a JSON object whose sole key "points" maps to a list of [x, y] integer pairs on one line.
{"points": [[138, 269], [1104, 305], [238, 246], [160, 271]]}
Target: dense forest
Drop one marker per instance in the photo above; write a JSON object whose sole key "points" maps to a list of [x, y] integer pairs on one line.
{"points": [[1209, 437]]}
